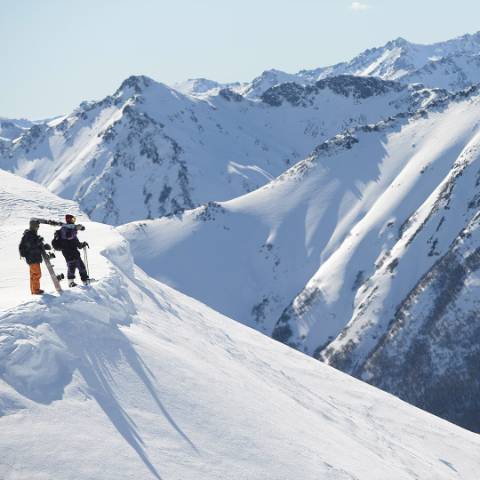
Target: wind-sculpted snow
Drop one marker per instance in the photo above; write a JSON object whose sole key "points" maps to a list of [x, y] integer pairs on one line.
{"points": [[148, 150], [129, 379]]}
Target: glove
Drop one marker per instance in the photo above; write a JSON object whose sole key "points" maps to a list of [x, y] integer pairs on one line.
{"points": [[84, 244], [47, 247]]}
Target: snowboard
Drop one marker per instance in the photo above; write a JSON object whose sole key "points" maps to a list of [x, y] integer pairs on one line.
{"points": [[55, 278]]}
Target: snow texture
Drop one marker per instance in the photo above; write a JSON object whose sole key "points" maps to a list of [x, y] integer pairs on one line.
{"points": [[130, 379]]}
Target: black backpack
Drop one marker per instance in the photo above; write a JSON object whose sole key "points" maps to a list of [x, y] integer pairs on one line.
{"points": [[22, 248], [57, 240]]}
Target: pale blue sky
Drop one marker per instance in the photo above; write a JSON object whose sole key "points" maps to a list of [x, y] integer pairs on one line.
{"points": [[56, 53]]}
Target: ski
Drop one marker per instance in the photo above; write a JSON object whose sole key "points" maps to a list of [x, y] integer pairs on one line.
{"points": [[47, 222], [55, 278], [55, 223]]}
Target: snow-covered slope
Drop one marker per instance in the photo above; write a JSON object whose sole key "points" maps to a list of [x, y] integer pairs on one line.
{"points": [[303, 256], [20, 200], [130, 379], [148, 150]]}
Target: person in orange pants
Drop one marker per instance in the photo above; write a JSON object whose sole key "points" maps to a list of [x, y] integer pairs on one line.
{"points": [[35, 276], [30, 248]]}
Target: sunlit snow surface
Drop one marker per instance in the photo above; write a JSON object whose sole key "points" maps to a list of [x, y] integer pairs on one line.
{"points": [[130, 379]]}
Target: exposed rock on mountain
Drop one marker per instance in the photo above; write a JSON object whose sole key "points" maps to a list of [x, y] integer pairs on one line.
{"points": [[148, 150]]}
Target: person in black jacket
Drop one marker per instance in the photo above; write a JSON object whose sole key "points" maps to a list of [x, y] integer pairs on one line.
{"points": [[30, 248], [70, 245]]}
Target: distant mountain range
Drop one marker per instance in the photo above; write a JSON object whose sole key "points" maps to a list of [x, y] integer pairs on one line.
{"points": [[148, 150], [454, 65]]}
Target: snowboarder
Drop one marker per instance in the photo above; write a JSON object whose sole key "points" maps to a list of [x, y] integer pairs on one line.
{"points": [[30, 248], [69, 247]]}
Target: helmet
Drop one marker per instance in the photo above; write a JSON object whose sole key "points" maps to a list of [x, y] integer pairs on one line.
{"points": [[70, 218], [34, 224]]}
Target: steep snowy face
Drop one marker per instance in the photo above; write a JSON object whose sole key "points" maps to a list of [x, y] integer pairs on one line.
{"points": [[148, 150], [416, 317], [164, 387], [311, 252]]}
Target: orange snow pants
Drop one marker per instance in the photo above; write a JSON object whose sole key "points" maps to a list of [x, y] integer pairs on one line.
{"points": [[35, 275]]}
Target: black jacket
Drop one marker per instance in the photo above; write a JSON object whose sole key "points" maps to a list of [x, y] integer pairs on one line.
{"points": [[31, 247], [70, 243]]}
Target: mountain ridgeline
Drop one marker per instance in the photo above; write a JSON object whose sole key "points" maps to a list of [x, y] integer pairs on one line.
{"points": [[149, 151]]}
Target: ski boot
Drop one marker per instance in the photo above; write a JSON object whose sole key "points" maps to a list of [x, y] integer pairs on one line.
{"points": [[72, 284], [39, 292]]}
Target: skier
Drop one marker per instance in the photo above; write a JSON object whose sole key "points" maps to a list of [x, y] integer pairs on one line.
{"points": [[30, 248], [69, 246]]}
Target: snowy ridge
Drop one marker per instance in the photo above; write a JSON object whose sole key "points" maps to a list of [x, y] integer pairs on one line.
{"points": [[171, 151], [128, 378]]}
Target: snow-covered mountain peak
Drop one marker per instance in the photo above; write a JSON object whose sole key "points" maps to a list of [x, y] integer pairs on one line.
{"points": [[206, 148], [135, 84], [268, 79], [398, 42], [194, 86]]}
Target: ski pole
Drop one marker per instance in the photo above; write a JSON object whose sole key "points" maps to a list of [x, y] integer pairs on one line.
{"points": [[86, 260]]}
